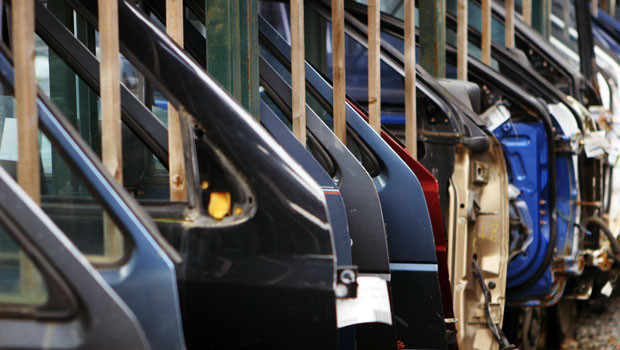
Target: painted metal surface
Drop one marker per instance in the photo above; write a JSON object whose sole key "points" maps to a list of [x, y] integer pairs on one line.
{"points": [[364, 215], [99, 317], [335, 204], [403, 246], [253, 250]]}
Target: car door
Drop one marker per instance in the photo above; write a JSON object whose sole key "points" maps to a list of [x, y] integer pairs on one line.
{"points": [[50, 295]]}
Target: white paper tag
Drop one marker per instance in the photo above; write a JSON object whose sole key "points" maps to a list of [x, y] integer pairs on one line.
{"points": [[607, 289], [8, 143], [495, 116], [595, 144], [371, 305]]}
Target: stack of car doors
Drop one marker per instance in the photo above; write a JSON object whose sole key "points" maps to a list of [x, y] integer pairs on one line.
{"points": [[469, 165], [51, 294], [539, 279], [261, 272], [412, 257]]}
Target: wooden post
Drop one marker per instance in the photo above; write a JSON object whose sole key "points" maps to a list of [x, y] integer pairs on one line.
{"points": [[566, 18], [510, 23], [594, 7], [28, 172], [339, 71], [486, 32], [176, 161], [612, 8], [411, 137], [110, 89], [111, 137], [298, 70], [374, 64], [461, 40], [527, 12]]}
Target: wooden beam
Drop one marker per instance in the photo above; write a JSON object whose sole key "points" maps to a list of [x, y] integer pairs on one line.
{"points": [[486, 31], [594, 7], [411, 136], [510, 23], [110, 89], [527, 12], [28, 172], [298, 70], [111, 137], [461, 40], [566, 18], [374, 64], [176, 160], [338, 70]]}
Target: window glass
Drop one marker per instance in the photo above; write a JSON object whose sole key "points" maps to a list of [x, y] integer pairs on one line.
{"points": [[20, 280], [145, 177], [64, 196], [564, 35]]}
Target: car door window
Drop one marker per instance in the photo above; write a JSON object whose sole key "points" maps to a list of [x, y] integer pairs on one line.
{"points": [[64, 196], [20, 280], [145, 177]]}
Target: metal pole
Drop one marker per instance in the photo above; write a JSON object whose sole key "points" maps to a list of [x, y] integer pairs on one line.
{"points": [[433, 36]]}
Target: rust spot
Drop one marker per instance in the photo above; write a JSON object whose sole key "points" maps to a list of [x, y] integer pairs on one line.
{"points": [[178, 181]]}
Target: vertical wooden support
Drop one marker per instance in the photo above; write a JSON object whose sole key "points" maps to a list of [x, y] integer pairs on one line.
{"points": [[111, 137], [527, 12], [510, 23], [26, 94], [612, 8], [594, 7], [176, 161], [374, 64], [411, 136], [486, 32], [339, 72], [433, 36], [298, 73], [461, 40], [110, 89], [566, 18], [27, 122]]}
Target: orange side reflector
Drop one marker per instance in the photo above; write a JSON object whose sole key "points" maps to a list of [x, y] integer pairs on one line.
{"points": [[219, 205]]}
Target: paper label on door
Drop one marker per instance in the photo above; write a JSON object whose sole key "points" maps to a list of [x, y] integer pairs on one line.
{"points": [[495, 116], [371, 305]]}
